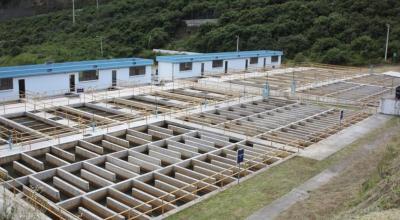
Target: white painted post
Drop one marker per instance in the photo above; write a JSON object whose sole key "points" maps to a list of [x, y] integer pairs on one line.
{"points": [[237, 43], [238, 177], [387, 40]]}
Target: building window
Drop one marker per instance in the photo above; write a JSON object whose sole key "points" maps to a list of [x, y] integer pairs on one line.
{"points": [[89, 75], [137, 70], [217, 63], [274, 59], [253, 60], [6, 84], [185, 66]]}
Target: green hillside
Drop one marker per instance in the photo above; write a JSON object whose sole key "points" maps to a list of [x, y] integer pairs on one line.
{"points": [[329, 31]]}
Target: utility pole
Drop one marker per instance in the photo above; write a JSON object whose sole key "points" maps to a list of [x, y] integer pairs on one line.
{"points": [[387, 40], [73, 12], [97, 4], [148, 42], [101, 45], [237, 43]]}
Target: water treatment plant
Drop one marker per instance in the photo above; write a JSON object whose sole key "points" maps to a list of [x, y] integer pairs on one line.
{"points": [[134, 149]]}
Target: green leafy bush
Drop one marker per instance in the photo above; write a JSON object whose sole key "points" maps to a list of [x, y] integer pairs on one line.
{"points": [[330, 31]]}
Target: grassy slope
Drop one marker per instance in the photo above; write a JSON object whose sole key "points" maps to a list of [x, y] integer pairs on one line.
{"points": [[240, 201], [379, 195], [348, 189]]}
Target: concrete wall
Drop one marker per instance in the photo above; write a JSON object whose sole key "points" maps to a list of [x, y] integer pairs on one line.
{"points": [[389, 106], [168, 71], [45, 84], [56, 84], [123, 78]]}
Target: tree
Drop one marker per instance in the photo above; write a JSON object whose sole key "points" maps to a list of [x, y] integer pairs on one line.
{"points": [[157, 38], [312, 28], [334, 56]]}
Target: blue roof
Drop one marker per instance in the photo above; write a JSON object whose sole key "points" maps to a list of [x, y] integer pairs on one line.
{"points": [[218, 56], [69, 67]]}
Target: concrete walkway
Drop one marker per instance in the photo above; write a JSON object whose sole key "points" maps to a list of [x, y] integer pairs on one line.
{"points": [[301, 192], [334, 143], [297, 194]]}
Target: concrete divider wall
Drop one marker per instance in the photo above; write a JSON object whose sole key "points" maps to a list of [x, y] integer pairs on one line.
{"points": [[45, 188], [212, 167], [131, 201], [74, 180], [55, 160], [22, 168], [183, 146], [116, 140], [135, 139], [120, 171], [139, 134], [165, 151], [151, 199], [174, 182], [178, 129], [196, 175], [86, 214], [121, 207], [66, 187], [124, 164], [91, 147], [38, 152], [48, 174], [100, 210], [111, 146], [3, 172], [146, 165], [11, 158], [158, 134], [146, 158], [164, 157], [200, 141], [85, 153], [214, 135], [161, 129], [202, 147], [176, 191], [182, 151], [110, 176], [153, 191], [198, 183], [94, 178]]}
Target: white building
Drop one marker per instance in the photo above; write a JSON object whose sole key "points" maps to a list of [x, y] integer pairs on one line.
{"points": [[60, 78], [196, 65]]}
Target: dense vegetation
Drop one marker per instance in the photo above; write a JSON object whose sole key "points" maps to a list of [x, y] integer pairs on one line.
{"points": [[330, 31]]}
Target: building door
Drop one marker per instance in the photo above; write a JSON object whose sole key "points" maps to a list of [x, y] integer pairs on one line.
{"points": [[247, 65], [21, 86], [265, 62], [202, 69], [226, 66], [72, 83], [114, 78]]}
